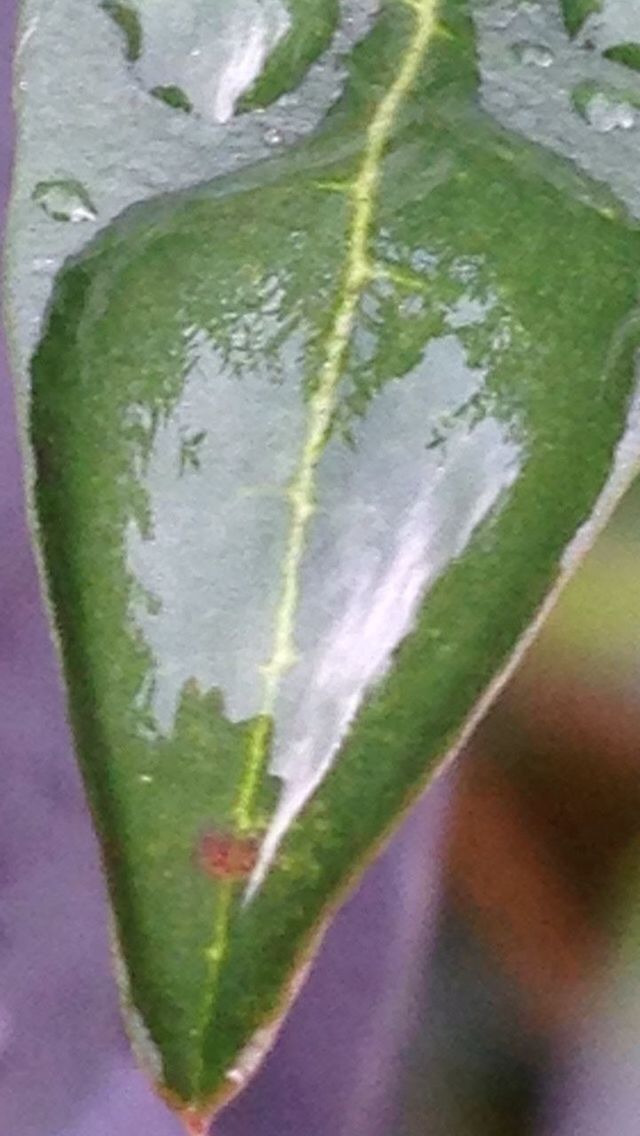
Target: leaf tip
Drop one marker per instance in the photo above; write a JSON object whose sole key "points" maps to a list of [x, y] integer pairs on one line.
{"points": [[196, 1123]]}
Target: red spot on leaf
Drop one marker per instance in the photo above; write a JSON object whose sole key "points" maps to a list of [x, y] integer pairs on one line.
{"points": [[227, 857], [195, 1123]]}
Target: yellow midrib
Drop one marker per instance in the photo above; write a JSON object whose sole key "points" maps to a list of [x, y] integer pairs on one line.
{"points": [[359, 270]]}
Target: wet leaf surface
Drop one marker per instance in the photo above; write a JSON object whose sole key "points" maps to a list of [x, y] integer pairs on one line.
{"points": [[311, 441]]}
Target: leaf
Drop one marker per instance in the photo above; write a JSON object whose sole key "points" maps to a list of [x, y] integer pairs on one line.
{"points": [[127, 20], [577, 12], [625, 53], [312, 25], [173, 50], [311, 441]]}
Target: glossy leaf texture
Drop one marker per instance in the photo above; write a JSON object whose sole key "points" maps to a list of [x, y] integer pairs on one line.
{"points": [[173, 50], [311, 443], [312, 25], [577, 12]]}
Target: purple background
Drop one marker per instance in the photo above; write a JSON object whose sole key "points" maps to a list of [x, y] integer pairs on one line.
{"points": [[65, 1065]]}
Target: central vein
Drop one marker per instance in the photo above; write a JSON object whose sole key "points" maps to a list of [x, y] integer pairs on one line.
{"points": [[360, 268]]}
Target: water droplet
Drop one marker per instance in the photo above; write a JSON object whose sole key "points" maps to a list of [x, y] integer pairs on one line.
{"points": [[128, 21], [273, 136], [606, 116], [626, 53], [252, 1055], [174, 97], [603, 108], [236, 1077], [27, 36], [64, 199], [533, 54], [146, 778], [411, 307], [196, 56], [423, 261], [578, 14]]}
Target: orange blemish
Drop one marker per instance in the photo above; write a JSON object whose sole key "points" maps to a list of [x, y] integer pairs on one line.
{"points": [[227, 857], [195, 1123]]}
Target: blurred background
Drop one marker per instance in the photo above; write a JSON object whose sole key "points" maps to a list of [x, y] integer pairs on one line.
{"points": [[483, 981]]}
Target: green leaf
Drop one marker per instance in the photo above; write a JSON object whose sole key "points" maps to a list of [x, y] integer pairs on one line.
{"points": [[590, 92], [173, 49], [626, 53], [577, 12], [313, 22], [173, 97], [127, 20], [312, 440]]}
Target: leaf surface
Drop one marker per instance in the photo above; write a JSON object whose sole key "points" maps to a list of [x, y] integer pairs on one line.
{"points": [[177, 48], [313, 22], [311, 442], [577, 12]]}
